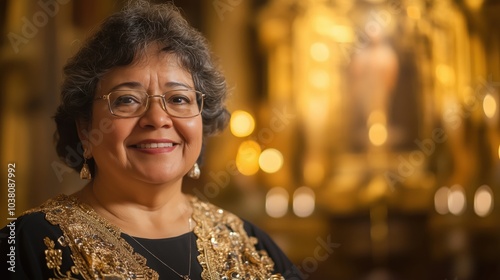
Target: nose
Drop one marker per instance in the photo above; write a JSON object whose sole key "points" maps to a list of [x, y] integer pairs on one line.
{"points": [[161, 100], [156, 116]]}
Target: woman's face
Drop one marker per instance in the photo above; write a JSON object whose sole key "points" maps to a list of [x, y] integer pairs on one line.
{"points": [[122, 152]]}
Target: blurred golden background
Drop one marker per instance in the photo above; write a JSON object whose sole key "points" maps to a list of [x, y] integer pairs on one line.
{"points": [[364, 137]]}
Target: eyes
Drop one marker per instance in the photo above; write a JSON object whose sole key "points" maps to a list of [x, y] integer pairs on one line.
{"points": [[183, 103], [124, 98]]}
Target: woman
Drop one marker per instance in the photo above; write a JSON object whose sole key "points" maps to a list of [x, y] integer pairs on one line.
{"points": [[137, 101]]}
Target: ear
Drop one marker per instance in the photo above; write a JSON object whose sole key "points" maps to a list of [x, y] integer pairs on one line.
{"points": [[83, 127]]}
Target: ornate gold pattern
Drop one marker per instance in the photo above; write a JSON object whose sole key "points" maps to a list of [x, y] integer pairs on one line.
{"points": [[99, 252], [97, 249], [226, 251], [54, 261]]}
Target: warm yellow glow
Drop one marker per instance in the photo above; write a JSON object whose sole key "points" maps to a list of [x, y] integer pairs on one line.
{"points": [[441, 200], [474, 4], [316, 110], [377, 134], [319, 51], [498, 151], [342, 33], [242, 123], [413, 12], [456, 200], [270, 160], [445, 74], [303, 202], [319, 79], [483, 201], [272, 30], [247, 159], [376, 116], [321, 24], [375, 189], [277, 202], [489, 106], [314, 172]]}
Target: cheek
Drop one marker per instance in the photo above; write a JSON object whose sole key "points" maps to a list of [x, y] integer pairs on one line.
{"points": [[108, 132], [193, 131]]}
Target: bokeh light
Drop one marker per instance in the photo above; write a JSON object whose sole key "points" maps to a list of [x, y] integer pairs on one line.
{"points": [[489, 106], [247, 159], [377, 134], [277, 202], [270, 160], [303, 202], [483, 201], [456, 200], [441, 200], [242, 123]]}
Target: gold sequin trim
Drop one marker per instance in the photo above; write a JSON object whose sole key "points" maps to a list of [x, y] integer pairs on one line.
{"points": [[97, 249], [99, 252], [54, 261], [226, 251]]}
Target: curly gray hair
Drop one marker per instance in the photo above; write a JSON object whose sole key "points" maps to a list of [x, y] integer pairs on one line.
{"points": [[121, 38]]}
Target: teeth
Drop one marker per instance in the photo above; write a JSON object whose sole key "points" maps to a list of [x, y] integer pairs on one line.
{"points": [[154, 145]]}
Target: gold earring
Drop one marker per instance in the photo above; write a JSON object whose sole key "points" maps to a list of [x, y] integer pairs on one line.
{"points": [[195, 171], [85, 171]]}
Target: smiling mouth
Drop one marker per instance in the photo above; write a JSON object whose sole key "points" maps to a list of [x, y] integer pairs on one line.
{"points": [[154, 145]]}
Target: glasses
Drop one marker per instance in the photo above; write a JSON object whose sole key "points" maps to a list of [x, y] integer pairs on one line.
{"points": [[181, 103]]}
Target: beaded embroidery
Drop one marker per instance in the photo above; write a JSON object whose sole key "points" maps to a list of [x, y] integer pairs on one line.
{"points": [[99, 252]]}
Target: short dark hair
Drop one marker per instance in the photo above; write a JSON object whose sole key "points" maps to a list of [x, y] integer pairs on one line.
{"points": [[120, 39]]}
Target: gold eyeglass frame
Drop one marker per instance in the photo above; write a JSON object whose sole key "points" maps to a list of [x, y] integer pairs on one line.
{"points": [[163, 102]]}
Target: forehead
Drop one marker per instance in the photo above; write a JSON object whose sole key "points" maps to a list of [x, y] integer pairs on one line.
{"points": [[149, 66], [155, 53]]}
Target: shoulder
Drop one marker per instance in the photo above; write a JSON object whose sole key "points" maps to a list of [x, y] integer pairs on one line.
{"points": [[35, 217], [27, 232], [24, 243], [215, 216], [261, 240], [22, 246], [219, 216], [282, 263], [32, 222]]}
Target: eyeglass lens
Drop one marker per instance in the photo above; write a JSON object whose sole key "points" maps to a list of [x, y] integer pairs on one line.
{"points": [[177, 103]]}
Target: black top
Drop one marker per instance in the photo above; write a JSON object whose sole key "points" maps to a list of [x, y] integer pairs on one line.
{"points": [[22, 251]]}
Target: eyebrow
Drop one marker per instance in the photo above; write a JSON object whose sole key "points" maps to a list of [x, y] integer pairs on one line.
{"points": [[133, 85], [137, 85], [177, 84]]}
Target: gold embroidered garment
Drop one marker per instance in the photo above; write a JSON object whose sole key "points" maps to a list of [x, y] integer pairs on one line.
{"points": [[99, 252]]}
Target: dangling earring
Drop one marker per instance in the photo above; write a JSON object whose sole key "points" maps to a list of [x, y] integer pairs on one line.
{"points": [[195, 171], [85, 171]]}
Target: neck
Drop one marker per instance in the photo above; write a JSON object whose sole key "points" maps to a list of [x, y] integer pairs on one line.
{"points": [[142, 210], [141, 194]]}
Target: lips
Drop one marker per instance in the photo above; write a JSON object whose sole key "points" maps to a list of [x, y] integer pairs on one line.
{"points": [[154, 145]]}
